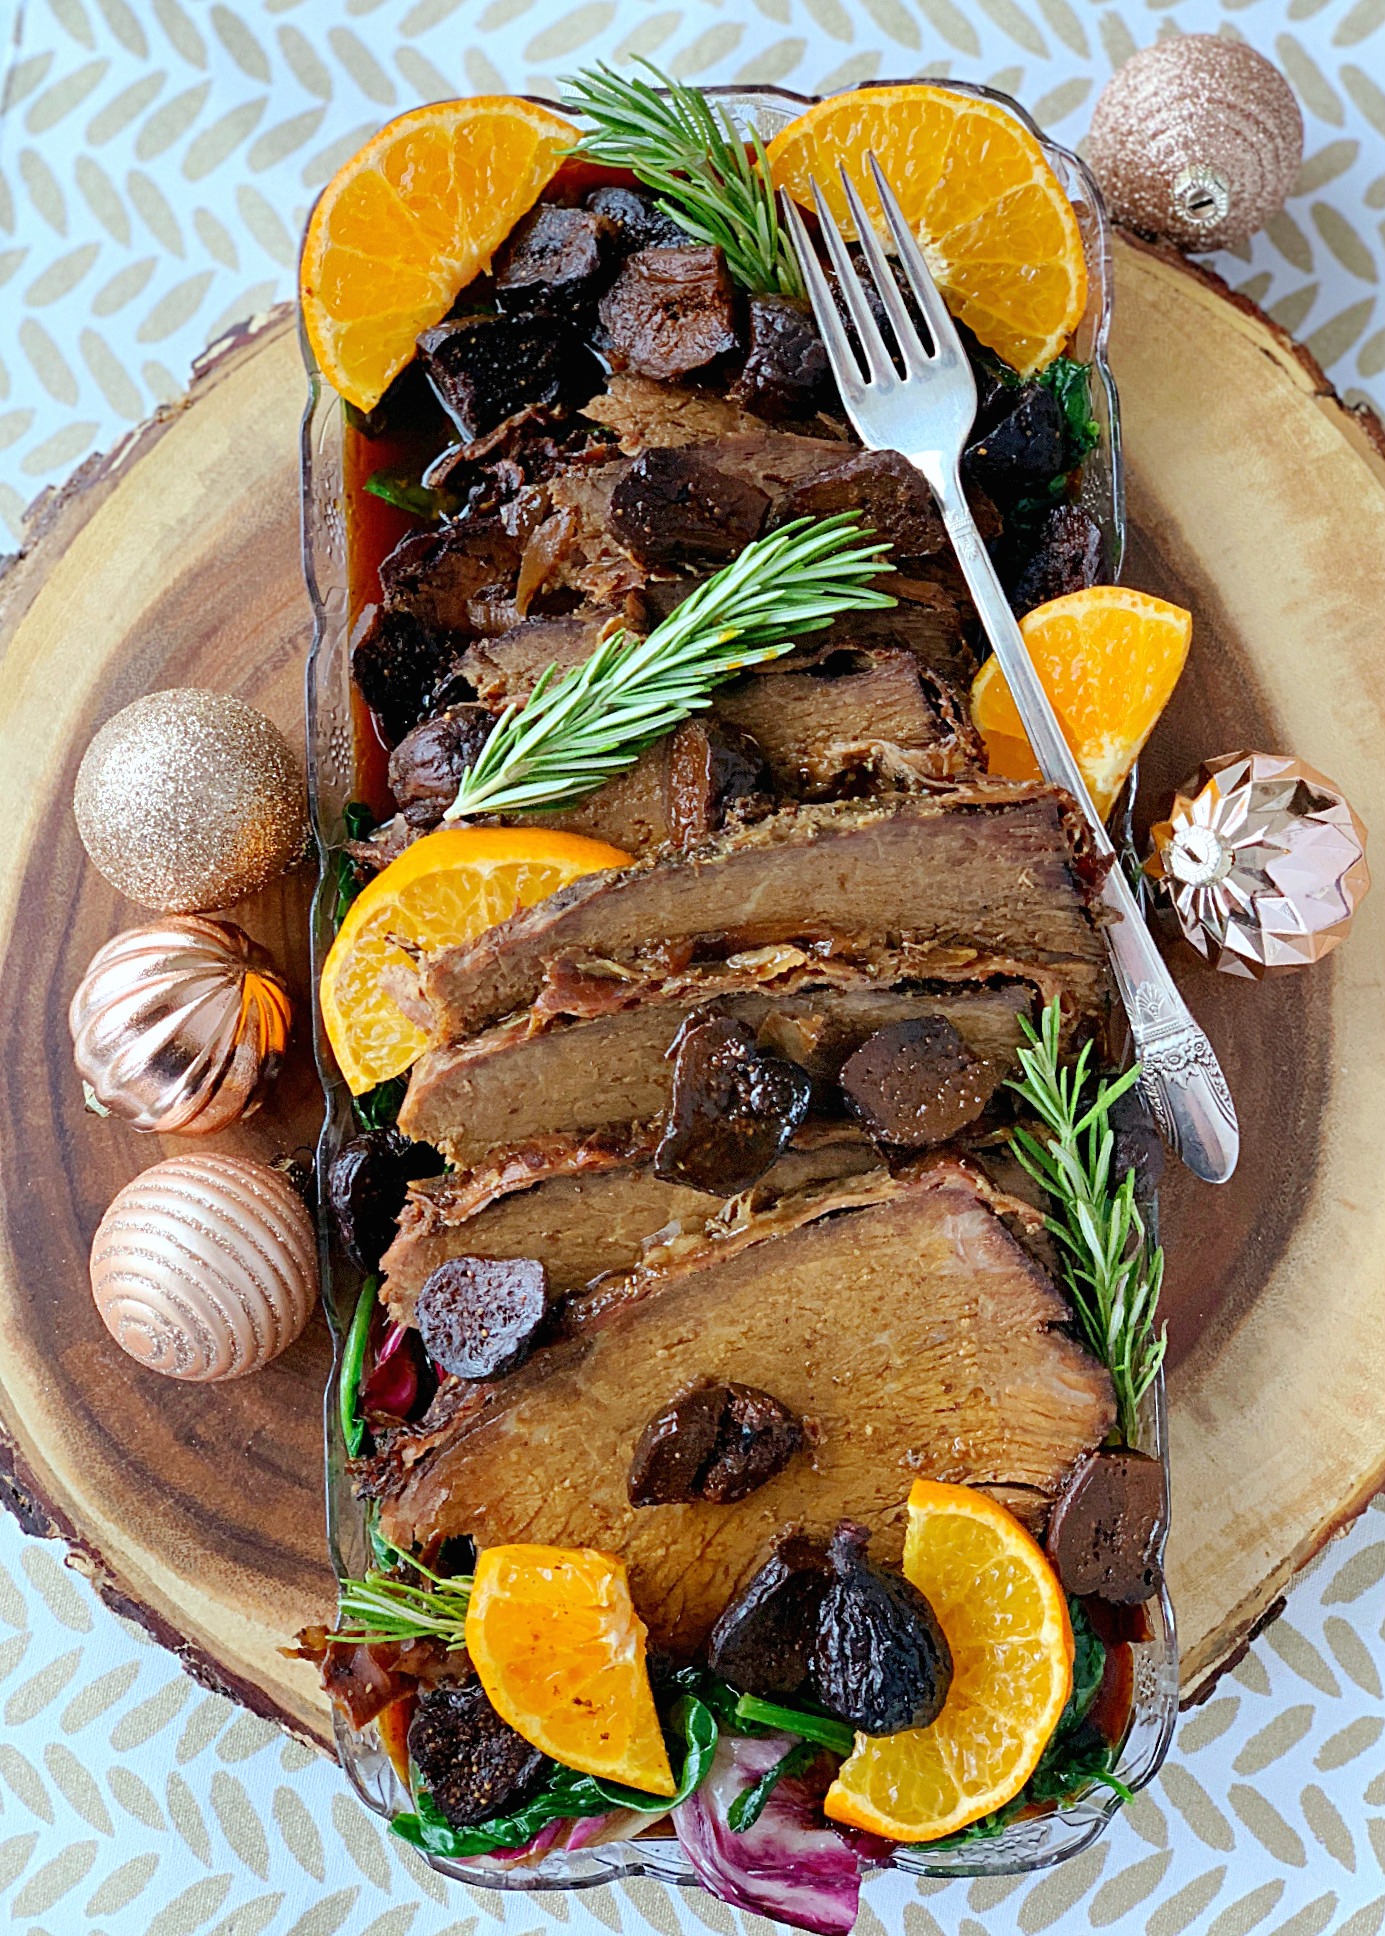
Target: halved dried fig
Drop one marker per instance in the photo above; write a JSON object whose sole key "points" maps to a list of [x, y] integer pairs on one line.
{"points": [[881, 1661], [734, 1108], [478, 1316], [916, 1082], [763, 1640]]}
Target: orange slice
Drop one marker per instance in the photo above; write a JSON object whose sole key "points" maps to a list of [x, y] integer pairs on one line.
{"points": [[447, 888], [1109, 660], [404, 226], [554, 1635], [1006, 1619], [997, 228]]}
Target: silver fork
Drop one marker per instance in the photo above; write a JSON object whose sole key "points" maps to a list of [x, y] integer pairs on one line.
{"points": [[926, 414]]}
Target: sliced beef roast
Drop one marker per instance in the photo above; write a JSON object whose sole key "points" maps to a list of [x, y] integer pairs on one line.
{"points": [[852, 719], [991, 865], [582, 1209], [924, 1341], [525, 1080]]}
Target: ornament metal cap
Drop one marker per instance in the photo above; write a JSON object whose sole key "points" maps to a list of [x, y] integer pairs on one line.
{"points": [[1264, 863]]}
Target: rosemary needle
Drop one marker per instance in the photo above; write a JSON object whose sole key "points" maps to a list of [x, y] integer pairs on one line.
{"points": [[1112, 1269], [693, 157], [576, 731], [383, 1607]]}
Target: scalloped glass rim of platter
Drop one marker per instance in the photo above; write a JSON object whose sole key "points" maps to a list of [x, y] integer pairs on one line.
{"points": [[1031, 1843]]}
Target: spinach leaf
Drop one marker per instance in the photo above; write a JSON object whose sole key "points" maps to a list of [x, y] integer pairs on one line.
{"points": [[825, 1729], [749, 1805], [565, 1796], [379, 1107], [407, 493], [1071, 384], [353, 1426], [359, 821], [1088, 1667], [694, 1721], [1070, 1766]]}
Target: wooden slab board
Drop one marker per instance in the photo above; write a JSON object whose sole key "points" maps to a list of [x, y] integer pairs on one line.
{"points": [[1256, 498]]}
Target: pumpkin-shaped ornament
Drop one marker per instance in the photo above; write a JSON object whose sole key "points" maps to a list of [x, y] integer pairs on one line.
{"points": [[177, 1026]]}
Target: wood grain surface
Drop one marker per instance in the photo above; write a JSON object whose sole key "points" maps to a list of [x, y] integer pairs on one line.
{"points": [[1255, 497]]}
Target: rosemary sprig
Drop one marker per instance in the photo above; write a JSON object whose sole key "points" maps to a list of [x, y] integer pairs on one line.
{"points": [[576, 731], [694, 159], [1112, 1269], [384, 1607]]}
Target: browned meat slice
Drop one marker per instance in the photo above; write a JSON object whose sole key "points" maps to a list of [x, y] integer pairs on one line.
{"points": [[785, 373], [582, 1210], [887, 491], [677, 793], [990, 865], [555, 259], [589, 556], [899, 1314], [1068, 557], [637, 220], [485, 369], [855, 717], [669, 311], [434, 573], [508, 667], [643, 413], [532, 1078], [676, 505]]}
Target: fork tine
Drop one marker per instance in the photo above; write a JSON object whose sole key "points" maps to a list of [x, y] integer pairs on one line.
{"points": [[830, 326], [873, 348], [912, 349], [946, 342]]}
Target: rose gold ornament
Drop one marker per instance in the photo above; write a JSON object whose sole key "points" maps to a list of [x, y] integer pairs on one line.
{"points": [[205, 1267], [1196, 140], [1264, 861], [177, 1026]]}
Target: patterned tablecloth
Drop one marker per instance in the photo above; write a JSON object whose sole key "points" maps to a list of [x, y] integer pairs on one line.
{"points": [[157, 159]]}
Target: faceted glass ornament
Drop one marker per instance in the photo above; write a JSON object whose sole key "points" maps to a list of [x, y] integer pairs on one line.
{"points": [[1263, 861]]}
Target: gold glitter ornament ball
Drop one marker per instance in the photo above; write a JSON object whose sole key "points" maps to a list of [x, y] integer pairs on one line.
{"points": [[1196, 140], [189, 800]]}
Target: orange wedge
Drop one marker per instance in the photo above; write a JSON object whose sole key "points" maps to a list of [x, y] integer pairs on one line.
{"points": [[997, 228], [447, 888], [404, 226], [554, 1635], [1109, 660], [1006, 1619]]}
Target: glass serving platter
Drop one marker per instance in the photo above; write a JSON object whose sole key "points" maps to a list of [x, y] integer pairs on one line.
{"points": [[1034, 1843]]}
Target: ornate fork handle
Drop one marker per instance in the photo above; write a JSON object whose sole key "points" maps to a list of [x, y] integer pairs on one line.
{"points": [[1182, 1079]]}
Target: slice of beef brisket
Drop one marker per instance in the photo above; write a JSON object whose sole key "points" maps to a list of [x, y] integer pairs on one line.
{"points": [[433, 574], [993, 865], [853, 721], [679, 791], [644, 414], [856, 1303], [533, 1077], [582, 1209]]}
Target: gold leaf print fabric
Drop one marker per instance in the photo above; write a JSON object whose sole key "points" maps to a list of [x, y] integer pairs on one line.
{"points": [[157, 162]]}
